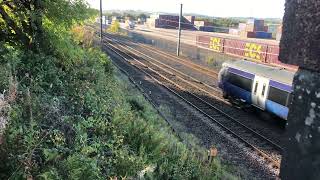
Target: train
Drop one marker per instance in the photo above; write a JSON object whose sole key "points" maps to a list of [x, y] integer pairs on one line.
{"points": [[264, 87]]}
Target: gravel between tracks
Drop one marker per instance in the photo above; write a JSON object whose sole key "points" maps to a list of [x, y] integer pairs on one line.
{"points": [[187, 120], [263, 123]]}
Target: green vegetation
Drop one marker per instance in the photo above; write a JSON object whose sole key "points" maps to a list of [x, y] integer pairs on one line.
{"points": [[115, 27], [131, 14], [222, 22], [68, 116]]}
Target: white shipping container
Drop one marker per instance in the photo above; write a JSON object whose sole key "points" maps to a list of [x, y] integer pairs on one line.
{"points": [[250, 21], [278, 38], [273, 28], [242, 26], [199, 23], [234, 31]]}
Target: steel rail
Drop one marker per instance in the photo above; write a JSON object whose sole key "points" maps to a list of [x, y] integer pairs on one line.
{"points": [[116, 50], [173, 69], [179, 60], [200, 89]]}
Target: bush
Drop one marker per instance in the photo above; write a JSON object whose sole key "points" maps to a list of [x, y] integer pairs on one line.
{"points": [[72, 119], [115, 27]]}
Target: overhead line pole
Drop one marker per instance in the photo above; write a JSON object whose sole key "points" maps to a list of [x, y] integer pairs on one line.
{"points": [[101, 22], [179, 32]]}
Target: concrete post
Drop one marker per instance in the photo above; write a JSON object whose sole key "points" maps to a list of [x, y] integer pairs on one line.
{"points": [[300, 45]]}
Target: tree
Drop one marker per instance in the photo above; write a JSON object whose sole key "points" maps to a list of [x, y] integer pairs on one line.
{"points": [[23, 22], [142, 16]]}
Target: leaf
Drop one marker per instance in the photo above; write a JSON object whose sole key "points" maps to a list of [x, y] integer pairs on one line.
{"points": [[88, 150], [50, 154]]}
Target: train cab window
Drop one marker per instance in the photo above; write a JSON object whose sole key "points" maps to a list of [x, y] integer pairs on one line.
{"points": [[263, 89], [279, 96], [256, 88], [240, 81]]}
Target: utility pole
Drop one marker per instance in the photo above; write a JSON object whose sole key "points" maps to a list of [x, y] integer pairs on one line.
{"points": [[101, 22], [179, 32]]}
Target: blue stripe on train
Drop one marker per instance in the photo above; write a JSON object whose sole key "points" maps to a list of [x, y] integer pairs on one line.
{"points": [[237, 92], [277, 109], [241, 73]]}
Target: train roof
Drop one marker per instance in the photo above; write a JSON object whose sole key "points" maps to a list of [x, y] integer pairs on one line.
{"points": [[275, 73]]}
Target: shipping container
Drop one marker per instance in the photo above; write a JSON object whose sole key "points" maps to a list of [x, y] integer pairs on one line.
{"points": [[203, 41], [263, 53], [251, 35], [250, 21], [259, 22], [212, 43], [245, 34], [216, 44], [190, 19], [234, 31], [250, 27], [206, 28], [242, 26], [266, 28], [245, 49], [273, 54], [263, 35], [273, 58], [273, 28], [278, 36], [279, 33], [199, 23], [259, 28], [172, 22]]}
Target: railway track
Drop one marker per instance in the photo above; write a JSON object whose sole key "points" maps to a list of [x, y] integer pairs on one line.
{"points": [[196, 97], [186, 79], [196, 67]]}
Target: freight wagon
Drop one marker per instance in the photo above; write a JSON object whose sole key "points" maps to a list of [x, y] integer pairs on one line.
{"points": [[252, 51]]}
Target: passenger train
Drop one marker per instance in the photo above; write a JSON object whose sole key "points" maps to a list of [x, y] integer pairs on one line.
{"points": [[267, 88]]}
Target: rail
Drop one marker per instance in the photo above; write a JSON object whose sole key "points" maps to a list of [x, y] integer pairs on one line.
{"points": [[194, 100]]}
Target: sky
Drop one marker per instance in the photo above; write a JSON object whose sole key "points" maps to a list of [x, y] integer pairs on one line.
{"points": [[218, 8]]}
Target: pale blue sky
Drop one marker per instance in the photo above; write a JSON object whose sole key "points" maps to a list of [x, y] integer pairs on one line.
{"points": [[220, 8]]}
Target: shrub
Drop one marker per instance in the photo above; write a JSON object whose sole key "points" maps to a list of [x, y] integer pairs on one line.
{"points": [[72, 119], [115, 27]]}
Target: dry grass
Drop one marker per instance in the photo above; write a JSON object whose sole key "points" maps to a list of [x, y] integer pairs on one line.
{"points": [[84, 35]]}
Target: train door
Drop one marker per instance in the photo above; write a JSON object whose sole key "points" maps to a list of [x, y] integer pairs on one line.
{"points": [[260, 91]]}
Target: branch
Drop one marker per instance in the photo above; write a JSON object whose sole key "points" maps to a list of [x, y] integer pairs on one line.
{"points": [[5, 2], [25, 40]]}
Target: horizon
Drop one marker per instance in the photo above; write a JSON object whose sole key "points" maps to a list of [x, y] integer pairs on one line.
{"points": [[185, 14], [239, 9]]}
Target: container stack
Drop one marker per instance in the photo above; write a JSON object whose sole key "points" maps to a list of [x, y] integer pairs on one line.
{"points": [[254, 28], [279, 33], [234, 31], [153, 21], [273, 29], [200, 24], [171, 22]]}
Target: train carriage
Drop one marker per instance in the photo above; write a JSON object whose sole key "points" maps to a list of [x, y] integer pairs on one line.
{"points": [[267, 88]]}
